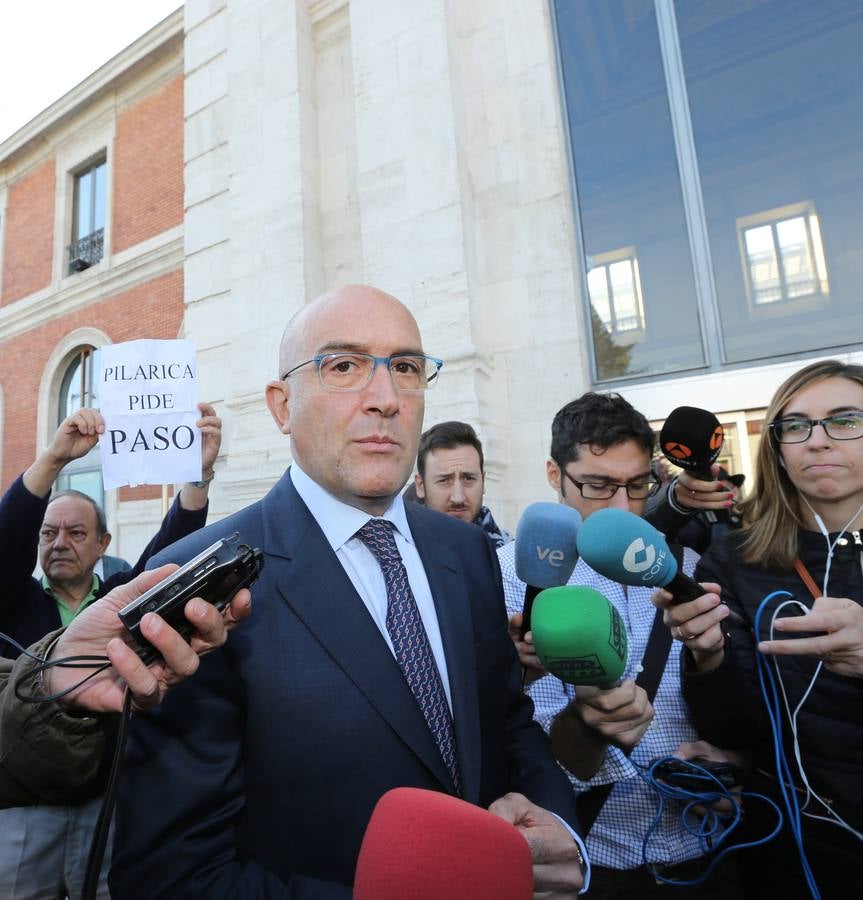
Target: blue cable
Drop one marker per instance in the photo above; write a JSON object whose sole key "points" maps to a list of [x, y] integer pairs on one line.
{"points": [[712, 830], [770, 693]]}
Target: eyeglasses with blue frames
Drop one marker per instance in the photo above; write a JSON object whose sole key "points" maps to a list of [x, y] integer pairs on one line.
{"points": [[847, 426], [605, 490], [353, 371]]}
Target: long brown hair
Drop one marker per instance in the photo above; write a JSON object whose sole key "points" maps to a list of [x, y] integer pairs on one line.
{"points": [[771, 513]]}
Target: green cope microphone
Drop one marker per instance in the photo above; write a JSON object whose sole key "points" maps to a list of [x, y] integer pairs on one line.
{"points": [[579, 636]]}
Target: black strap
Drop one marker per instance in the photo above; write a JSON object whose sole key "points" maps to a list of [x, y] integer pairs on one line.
{"points": [[589, 804]]}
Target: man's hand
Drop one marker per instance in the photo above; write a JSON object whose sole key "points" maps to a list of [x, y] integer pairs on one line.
{"points": [[557, 862], [691, 749], [703, 750], [695, 494], [210, 424], [525, 649], [581, 732], [75, 437], [98, 631], [211, 437], [621, 715], [697, 624], [839, 646]]}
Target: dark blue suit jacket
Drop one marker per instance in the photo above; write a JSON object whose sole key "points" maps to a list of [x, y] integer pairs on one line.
{"points": [[257, 777]]}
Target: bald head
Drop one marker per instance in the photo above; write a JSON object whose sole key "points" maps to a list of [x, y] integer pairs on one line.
{"points": [[359, 444], [312, 320]]}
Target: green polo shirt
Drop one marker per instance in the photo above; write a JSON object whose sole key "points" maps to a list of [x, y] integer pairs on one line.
{"points": [[67, 614]]}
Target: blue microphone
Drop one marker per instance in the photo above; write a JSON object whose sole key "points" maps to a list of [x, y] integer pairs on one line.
{"points": [[628, 550], [545, 550]]}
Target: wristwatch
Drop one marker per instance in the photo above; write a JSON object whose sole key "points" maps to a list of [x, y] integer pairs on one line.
{"points": [[204, 483]]}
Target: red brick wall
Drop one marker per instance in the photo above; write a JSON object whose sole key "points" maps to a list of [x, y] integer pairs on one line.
{"points": [[28, 234], [148, 167], [150, 310]]}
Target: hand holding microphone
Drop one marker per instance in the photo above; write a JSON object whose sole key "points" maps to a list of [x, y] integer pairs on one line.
{"points": [[581, 638], [695, 624], [692, 439], [628, 550], [427, 845], [697, 494]]}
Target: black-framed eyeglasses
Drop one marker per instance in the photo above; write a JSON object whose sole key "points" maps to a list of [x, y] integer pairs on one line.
{"points": [[353, 371], [846, 426], [605, 490]]}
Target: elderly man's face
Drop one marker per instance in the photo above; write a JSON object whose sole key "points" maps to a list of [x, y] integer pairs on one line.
{"points": [[360, 446], [69, 541]]}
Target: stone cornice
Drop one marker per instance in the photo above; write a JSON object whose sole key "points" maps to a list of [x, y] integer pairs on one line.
{"points": [[321, 9]]}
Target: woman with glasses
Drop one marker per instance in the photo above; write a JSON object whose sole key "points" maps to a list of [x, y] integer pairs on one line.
{"points": [[795, 573]]}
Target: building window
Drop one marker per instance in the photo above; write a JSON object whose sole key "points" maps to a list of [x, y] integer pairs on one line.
{"points": [[88, 217], [614, 285], [783, 256], [695, 129], [79, 388]]}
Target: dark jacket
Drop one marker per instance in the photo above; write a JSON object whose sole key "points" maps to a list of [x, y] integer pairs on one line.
{"points": [[27, 612], [696, 530], [726, 703], [257, 777], [44, 753], [495, 533]]}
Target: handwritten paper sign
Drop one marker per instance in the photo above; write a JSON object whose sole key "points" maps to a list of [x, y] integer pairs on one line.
{"points": [[148, 395]]}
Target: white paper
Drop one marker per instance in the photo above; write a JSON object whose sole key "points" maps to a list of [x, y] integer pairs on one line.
{"points": [[147, 378], [148, 395]]}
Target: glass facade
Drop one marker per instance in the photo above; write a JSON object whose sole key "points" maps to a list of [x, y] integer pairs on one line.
{"points": [[633, 228], [732, 127]]}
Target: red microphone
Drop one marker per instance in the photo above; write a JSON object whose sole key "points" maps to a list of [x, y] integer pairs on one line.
{"points": [[425, 845]]}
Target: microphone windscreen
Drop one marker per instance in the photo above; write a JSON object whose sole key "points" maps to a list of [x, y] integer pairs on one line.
{"points": [[626, 549], [579, 635], [545, 544], [691, 438], [425, 845]]}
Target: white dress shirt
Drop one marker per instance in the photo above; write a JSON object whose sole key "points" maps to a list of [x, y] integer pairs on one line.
{"points": [[340, 523]]}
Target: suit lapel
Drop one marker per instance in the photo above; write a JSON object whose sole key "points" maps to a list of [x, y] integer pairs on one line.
{"points": [[312, 582], [452, 604]]}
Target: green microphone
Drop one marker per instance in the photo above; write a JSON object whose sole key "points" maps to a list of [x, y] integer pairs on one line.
{"points": [[579, 636]]}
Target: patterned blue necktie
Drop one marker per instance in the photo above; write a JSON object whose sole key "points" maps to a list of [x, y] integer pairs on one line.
{"points": [[410, 641]]}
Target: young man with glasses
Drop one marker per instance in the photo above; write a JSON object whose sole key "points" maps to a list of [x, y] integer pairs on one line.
{"points": [[601, 450], [379, 658]]}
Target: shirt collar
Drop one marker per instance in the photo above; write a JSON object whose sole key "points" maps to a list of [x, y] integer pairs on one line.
{"points": [[339, 521], [46, 586]]}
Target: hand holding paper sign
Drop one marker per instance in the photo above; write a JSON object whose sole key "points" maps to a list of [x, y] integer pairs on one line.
{"points": [[194, 494], [75, 437], [210, 426]]}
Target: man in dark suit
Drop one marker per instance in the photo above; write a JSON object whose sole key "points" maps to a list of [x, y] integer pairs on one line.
{"points": [[259, 778]]}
